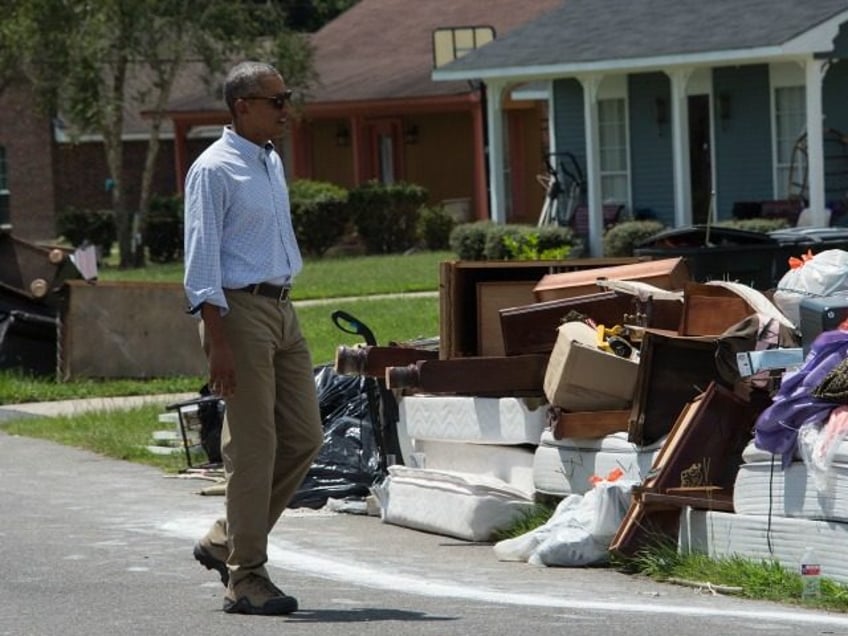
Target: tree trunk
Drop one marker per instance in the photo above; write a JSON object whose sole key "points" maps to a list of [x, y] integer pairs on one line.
{"points": [[113, 125], [166, 81]]}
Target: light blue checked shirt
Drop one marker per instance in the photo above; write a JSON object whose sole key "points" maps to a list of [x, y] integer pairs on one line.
{"points": [[238, 228]]}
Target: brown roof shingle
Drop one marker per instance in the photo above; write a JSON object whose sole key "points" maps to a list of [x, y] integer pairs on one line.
{"points": [[382, 49]]}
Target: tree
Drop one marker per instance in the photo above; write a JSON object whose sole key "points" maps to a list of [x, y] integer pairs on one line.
{"points": [[311, 15], [87, 60]]}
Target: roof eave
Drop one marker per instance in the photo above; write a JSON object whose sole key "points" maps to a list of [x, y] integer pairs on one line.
{"points": [[815, 41]]}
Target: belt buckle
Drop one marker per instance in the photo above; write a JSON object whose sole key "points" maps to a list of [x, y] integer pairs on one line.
{"points": [[284, 294]]}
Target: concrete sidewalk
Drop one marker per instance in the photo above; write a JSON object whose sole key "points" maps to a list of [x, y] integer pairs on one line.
{"points": [[99, 546], [75, 407]]}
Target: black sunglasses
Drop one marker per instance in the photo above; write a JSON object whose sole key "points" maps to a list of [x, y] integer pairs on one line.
{"points": [[278, 101]]}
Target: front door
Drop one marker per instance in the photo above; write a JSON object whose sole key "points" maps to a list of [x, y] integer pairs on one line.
{"points": [[700, 156], [385, 158]]}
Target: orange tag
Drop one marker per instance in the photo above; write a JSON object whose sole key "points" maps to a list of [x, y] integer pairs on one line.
{"points": [[795, 263], [614, 475]]}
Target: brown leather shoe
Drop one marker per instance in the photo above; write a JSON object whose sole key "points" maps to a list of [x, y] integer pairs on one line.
{"points": [[213, 558], [255, 594]]}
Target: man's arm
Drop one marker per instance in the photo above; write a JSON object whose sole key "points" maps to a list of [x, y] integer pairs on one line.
{"points": [[222, 373]]}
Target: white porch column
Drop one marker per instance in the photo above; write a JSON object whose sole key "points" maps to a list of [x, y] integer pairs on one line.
{"points": [[593, 164], [814, 72], [680, 146], [495, 150]]}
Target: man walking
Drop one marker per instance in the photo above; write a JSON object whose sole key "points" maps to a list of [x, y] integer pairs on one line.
{"points": [[241, 257]]}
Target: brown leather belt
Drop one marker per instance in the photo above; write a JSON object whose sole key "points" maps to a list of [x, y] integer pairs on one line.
{"points": [[279, 293]]}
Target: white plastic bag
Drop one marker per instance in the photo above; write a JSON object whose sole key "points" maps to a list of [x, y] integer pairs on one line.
{"points": [[578, 533], [822, 274]]}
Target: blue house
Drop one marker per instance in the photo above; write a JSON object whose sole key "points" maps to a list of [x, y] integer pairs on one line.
{"points": [[682, 107]]}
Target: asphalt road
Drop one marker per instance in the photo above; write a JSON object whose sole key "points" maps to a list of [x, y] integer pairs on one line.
{"points": [[95, 546]]}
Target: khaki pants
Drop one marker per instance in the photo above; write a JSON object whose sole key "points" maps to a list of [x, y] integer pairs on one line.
{"points": [[272, 427]]}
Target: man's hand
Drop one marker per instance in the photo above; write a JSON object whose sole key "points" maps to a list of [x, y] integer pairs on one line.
{"points": [[222, 370]]}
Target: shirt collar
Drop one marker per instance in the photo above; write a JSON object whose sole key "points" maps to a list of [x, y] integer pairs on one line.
{"points": [[245, 145]]}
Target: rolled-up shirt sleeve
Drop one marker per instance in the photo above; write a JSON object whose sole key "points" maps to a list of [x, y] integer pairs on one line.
{"points": [[205, 202]]}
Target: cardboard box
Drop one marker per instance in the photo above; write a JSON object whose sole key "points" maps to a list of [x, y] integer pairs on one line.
{"points": [[582, 377], [666, 273]]}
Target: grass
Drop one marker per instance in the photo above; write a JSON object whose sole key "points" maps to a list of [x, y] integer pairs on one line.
{"points": [[762, 580], [17, 387], [395, 319], [324, 278], [117, 434], [389, 319]]}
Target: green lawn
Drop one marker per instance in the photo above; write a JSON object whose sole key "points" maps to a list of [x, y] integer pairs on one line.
{"points": [[328, 277]]}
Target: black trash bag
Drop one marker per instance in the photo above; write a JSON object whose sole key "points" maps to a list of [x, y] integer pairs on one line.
{"points": [[349, 460], [211, 416]]}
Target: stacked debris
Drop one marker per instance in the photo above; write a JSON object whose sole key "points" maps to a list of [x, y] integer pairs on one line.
{"points": [[635, 369], [31, 297]]}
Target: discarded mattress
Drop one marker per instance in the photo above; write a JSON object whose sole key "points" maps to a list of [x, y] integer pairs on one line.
{"points": [[450, 503], [757, 537], [764, 488], [563, 467], [505, 420], [512, 464], [753, 454]]}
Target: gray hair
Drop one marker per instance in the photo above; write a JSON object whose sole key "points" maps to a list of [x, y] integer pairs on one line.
{"points": [[244, 80]]}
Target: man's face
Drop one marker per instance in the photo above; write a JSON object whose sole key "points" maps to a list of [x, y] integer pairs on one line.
{"points": [[266, 111]]}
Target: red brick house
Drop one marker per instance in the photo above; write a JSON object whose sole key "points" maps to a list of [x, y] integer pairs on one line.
{"points": [[375, 112]]}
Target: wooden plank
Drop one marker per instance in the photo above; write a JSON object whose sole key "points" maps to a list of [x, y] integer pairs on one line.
{"points": [[586, 424], [699, 460], [372, 360], [532, 328], [673, 370], [490, 376], [458, 293], [491, 297], [711, 309], [666, 273]]}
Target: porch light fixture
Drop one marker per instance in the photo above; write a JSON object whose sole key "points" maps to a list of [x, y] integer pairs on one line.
{"points": [[342, 136], [724, 106], [410, 136]]}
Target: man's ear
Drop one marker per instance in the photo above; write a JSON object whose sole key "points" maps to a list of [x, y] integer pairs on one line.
{"points": [[240, 106]]}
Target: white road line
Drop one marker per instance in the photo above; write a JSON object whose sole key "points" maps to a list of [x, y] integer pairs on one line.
{"points": [[292, 557]]}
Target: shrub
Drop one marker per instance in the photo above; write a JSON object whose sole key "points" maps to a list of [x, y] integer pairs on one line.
{"points": [[527, 247], [497, 238], [96, 227], [552, 237], [386, 216], [163, 229], [755, 224], [486, 240], [623, 237], [435, 226], [468, 240], [320, 214]]}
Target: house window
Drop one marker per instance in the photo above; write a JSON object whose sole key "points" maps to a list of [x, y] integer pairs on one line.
{"points": [[790, 115], [612, 134]]}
